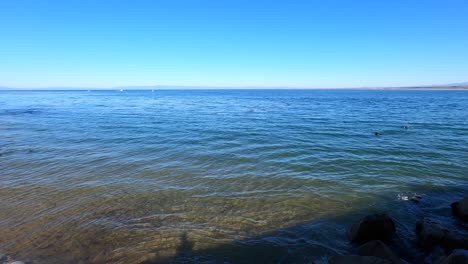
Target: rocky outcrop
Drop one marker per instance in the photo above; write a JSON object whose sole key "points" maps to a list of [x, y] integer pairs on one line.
{"points": [[460, 209], [370, 232], [457, 257], [373, 227], [431, 234], [377, 248], [357, 260]]}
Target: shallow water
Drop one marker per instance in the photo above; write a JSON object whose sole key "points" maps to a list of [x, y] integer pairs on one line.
{"points": [[231, 175]]}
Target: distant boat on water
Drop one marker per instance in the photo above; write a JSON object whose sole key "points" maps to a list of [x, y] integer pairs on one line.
{"points": [[121, 90]]}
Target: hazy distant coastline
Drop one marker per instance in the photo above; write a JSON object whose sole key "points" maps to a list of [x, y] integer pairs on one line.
{"points": [[463, 86]]}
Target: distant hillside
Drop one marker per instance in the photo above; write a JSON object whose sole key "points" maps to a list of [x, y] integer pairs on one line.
{"points": [[453, 86], [458, 84]]}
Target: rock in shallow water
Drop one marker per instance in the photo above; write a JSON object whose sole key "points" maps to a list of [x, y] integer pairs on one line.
{"points": [[378, 249], [357, 260], [373, 227], [431, 234], [460, 209], [457, 257]]}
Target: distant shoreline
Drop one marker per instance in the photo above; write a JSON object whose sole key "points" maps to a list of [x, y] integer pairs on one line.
{"points": [[421, 88], [175, 88]]}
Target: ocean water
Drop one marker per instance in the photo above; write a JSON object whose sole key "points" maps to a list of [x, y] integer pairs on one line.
{"points": [[222, 176]]}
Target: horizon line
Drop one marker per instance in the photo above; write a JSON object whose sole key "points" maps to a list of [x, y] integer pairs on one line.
{"points": [[201, 87]]}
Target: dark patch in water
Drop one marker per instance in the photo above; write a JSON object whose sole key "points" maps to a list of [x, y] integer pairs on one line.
{"points": [[15, 112]]}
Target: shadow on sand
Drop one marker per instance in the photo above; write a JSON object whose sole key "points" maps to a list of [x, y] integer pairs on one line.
{"points": [[313, 242]]}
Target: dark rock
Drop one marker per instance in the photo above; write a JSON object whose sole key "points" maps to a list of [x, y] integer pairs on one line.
{"points": [[378, 249], [460, 209], [437, 255], [357, 260], [457, 257], [431, 234], [373, 227]]}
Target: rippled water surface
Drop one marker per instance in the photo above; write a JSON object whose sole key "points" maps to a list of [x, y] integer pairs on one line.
{"points": [[210, 176]]}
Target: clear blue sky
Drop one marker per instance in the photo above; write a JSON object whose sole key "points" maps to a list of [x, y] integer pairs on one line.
{"points": [[233, 43]]}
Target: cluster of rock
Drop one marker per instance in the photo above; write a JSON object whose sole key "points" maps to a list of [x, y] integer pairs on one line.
{"points": [[371, 232]]}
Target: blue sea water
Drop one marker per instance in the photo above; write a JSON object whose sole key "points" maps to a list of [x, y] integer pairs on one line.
{"points": [[234, 176]]}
